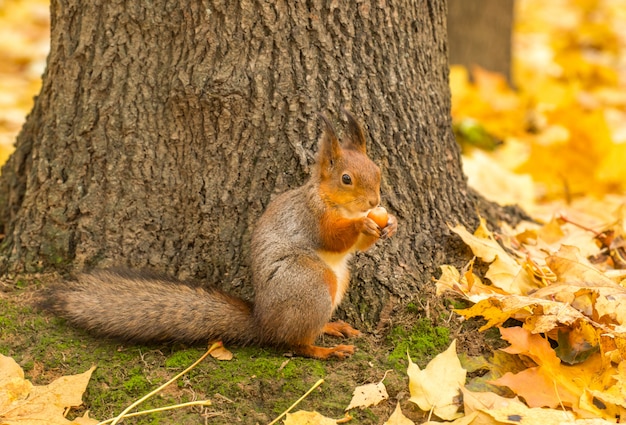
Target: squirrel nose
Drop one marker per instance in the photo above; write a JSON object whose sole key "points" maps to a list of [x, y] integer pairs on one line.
{"points": [[374, 202]]}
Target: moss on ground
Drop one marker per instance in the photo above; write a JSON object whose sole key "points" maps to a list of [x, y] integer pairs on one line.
{"points": [[254, 387], [419, 341]]}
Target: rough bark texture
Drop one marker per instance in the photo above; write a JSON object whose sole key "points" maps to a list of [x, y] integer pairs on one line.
{"points": [[479, 33], [163, 129]]}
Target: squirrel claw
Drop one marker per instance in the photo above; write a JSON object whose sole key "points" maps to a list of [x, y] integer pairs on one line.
{"points": [[323, 353], [342, 351], [371, 228]]}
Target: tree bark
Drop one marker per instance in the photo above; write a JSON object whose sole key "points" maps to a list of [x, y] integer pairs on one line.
{"points": [[479, 33], [162, 131]]}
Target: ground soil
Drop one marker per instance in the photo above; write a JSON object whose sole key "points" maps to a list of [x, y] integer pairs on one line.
{"points": [[253, 388]]}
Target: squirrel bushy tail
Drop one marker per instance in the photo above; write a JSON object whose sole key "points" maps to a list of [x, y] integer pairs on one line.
{"points": [[140, 307]]}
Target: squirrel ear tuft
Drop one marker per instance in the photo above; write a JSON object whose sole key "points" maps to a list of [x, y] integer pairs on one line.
{"points": [[355, 139], [329, 149]]}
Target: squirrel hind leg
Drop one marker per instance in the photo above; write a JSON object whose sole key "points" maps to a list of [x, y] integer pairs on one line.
{"points": [[323, 353], [340, 329]]}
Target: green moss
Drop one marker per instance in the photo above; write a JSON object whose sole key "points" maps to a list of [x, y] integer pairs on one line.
{"points": [[365, 416], [136, 383], [422, 341], [8, 320], [254, 387], [182, 359], [413, 308], [457, 303]]}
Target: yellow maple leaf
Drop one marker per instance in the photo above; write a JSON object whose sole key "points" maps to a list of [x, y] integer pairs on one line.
{"points": [[398, 418], [521, 414], [504, 271], [539, 315], [553, 384], [302, 417], [468, 285], [488, 99], [13, 386], [474, 401], [26, 404], [571, 269], [437, 387], [496, 182]]}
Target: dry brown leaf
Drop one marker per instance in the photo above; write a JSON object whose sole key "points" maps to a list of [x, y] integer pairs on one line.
{"points": [[221, 353], [42, 404]]}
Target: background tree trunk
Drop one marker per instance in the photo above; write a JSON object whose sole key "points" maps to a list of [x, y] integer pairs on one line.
{"points": [[479, 33], [163, 129]]}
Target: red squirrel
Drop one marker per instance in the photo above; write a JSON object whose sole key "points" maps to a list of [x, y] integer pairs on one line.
{"points": [[300, 252]]}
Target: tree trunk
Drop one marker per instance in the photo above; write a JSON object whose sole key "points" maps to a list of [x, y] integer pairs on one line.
{"points": [[479, 33], [162, 131]]}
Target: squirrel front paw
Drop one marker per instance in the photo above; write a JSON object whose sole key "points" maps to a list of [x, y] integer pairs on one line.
{"points": [[390, 229], [370, 227]]}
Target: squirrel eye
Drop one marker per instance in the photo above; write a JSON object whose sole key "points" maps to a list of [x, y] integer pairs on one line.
{"points": [[346, 179]]}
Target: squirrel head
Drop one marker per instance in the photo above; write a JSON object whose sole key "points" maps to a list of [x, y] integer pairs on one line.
{"points": [[349, 180]]}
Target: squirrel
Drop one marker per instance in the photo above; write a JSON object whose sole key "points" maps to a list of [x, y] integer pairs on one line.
{"points": [[300, 251]]}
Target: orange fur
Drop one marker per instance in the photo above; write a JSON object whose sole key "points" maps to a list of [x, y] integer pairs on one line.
{"points": [[339, 234]]}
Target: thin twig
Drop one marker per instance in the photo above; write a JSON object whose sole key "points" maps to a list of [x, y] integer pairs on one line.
{"points": [[150, 394], [161, 409], [317, 384]]}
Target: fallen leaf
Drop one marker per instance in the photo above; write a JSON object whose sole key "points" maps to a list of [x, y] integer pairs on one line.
{"points": [[469, 285], [570, 268], [497, 183], [504, 271], [368, 395], [221, 353], [308, 418], [398, 418], [26, 404], [538, 315], [577, 343], [474, 418], [474, 401], [553, 384], [495, 366], [13, 386], [437, 387], [518, 413]]}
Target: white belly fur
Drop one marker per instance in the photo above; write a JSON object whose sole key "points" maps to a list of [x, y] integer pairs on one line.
{"points": [[338, 263]]}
